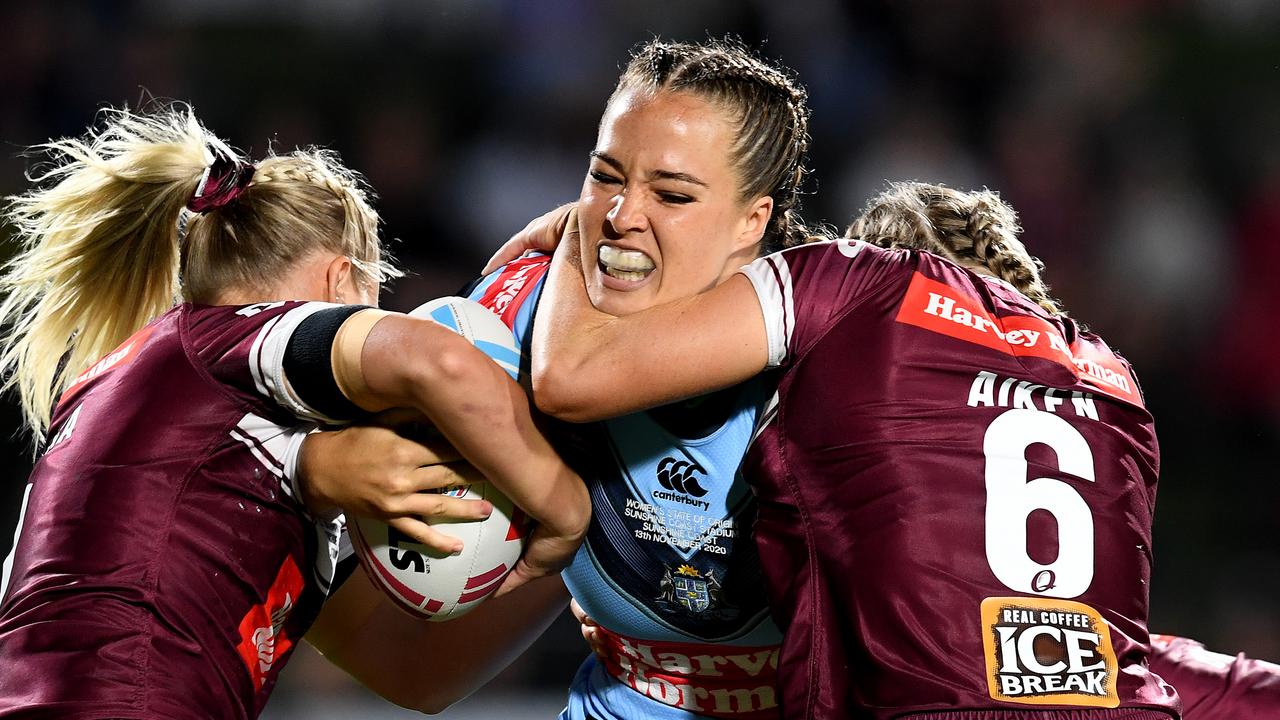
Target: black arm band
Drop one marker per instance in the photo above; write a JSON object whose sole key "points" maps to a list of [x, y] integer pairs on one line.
{"points": [[308, 363]]}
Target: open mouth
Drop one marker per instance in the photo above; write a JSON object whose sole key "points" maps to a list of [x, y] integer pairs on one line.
{"points": [[626, 265]]}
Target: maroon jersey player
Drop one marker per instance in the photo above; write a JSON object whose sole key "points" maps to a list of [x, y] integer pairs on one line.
{"points": [[169, 556], [956, 481], [1214, 686]]}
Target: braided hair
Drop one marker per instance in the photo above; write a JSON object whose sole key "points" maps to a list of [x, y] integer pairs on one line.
{"points": [[768, 105], [968, 228], [294, 204]]}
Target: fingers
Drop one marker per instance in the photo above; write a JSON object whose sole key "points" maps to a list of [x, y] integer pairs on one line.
{"points": [[410, 449], [510, 250], [518, 576], [439, 477], [578, 613], [595, 638], [545, 552], [590, 629], [543, 233], [435, 508], [426, 535]]}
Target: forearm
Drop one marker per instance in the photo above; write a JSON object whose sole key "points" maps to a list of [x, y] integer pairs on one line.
{"points": [[588, 365], [482, 413], [486, 416], [424, 665]]}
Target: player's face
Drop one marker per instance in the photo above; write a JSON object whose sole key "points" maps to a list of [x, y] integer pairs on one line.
{"points": [[660, 212]]}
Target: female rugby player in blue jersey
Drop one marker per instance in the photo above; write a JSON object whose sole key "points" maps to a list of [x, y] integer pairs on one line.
{"points": [[698, 135], [169, 555]]}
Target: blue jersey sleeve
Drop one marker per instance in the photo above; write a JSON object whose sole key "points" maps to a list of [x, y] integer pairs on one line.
{"points": [[512, 293]]}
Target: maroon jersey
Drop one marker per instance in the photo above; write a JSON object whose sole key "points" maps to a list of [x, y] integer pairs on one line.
{"points": [[1214, 686], [164, 568], [955, 496]]}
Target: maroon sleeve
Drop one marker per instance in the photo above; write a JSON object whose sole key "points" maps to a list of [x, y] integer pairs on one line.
{"points": [[244, 349], [806, 289], [1214, 686]]}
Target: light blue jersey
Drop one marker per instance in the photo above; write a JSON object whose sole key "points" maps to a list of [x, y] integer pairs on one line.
{"points": [[668, 568]]}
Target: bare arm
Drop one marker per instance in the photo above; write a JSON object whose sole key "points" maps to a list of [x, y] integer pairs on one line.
{"points": [[408, 362], [427, 666], [588, 365]]}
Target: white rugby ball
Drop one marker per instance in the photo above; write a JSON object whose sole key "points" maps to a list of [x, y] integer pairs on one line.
{"points": [[422, 581]]}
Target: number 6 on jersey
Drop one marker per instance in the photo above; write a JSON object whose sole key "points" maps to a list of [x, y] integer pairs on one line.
{"points": [[1011, 498]]}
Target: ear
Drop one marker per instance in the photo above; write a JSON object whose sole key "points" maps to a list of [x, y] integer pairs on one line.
{"points": [[754, 223], [339, 281]]}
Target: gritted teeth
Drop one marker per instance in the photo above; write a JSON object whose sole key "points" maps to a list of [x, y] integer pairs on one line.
{"points": [[630, 265]]}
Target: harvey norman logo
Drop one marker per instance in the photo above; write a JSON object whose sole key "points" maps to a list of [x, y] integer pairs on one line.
{"points": [[720, 681], [941, 308]]}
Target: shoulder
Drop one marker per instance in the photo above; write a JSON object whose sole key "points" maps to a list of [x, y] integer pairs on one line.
{"points": [[511, 292], [803, 290], [510, 286]]}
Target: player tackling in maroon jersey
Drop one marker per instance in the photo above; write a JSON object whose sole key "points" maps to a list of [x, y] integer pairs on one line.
{"points": [[956, 480], [170, 554]]}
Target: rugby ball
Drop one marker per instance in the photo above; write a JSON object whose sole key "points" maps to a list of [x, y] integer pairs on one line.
{"points": [[422, 581]]}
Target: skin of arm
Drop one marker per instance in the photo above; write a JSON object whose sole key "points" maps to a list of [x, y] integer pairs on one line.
{"points": [[485, 415], [385, 472], [428, 666], [588, 365], [410, 661]]}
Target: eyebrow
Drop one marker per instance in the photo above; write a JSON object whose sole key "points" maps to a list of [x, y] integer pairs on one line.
{"points": [[655, 175]]}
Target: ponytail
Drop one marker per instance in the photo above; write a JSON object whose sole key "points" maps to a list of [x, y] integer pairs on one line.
{"points": [[98, 254], [101, 253]]}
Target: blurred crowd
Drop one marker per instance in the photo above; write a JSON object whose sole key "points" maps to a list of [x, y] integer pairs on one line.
{"points": [[1138, 139]]}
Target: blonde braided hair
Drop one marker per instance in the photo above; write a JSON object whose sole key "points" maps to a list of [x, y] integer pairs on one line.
{"points": [[968, 228], [769, 106]]}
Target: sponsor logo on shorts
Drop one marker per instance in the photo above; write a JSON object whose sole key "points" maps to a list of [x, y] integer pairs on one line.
{"points": [[1043, 651], [720, 681]]}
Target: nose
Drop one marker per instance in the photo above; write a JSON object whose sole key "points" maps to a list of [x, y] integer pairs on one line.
{"points": [[627, 214]]}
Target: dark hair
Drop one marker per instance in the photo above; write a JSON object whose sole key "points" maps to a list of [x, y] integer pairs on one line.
{"points": [[769, 106]]}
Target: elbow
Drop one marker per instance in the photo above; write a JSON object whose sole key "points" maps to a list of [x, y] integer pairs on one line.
{"points": [[412, 693], [557, 392], [452, 361], [433, 704]]}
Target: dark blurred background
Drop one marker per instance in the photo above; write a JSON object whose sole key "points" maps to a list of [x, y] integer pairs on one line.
{"points": [[1138, 139]]}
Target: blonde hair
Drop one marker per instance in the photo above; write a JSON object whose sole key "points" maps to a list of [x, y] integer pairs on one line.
{"points": [[101, 253], [967, 228]]}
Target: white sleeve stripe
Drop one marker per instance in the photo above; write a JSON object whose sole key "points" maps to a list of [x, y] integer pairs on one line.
{"points": [[267, 462], [783, 271], [775, 303], [6, 570], [255, 356], [269, 363]]}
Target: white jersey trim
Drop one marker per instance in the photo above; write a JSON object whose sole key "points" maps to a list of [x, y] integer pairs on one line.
{"points": [[771, 278], [6, 571], [266, 361]]}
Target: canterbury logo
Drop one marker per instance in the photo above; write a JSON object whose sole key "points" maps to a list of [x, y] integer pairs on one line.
{"points": [[681, 476]]}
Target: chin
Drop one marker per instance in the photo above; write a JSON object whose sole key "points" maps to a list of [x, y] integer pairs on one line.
{"points": [[617, 303]]}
